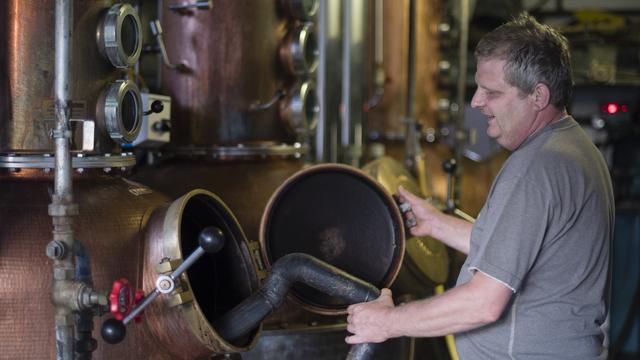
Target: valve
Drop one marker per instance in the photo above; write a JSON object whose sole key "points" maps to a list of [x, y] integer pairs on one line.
{"points": [[210, 240], [156, 107], [120, 299]]}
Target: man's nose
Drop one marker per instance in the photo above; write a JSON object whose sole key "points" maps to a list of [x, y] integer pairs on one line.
{"points": [[476, 100]]}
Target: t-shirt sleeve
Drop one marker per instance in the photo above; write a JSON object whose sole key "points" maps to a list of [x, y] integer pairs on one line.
{"points": [[509, 232]]}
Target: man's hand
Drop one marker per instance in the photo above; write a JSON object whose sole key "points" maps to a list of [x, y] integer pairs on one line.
{"points": [[368, 322], [425, 214]]}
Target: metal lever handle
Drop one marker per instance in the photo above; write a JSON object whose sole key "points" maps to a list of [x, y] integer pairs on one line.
{"points": [[450, 166], [156, 30], [210, 240], [257, 106], [199, 4]]}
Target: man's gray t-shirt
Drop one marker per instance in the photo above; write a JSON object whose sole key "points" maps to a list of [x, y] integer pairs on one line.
{"points": [[545, 233]]}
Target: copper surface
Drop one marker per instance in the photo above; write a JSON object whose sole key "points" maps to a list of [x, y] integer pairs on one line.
{"points": [[334, 243], [110, 228], [27, 68], [186, 329], [387, 117], [231, 55], [245, 186]]}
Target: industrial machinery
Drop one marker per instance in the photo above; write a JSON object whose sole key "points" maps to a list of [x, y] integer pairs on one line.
{"points": [[155, 213]]}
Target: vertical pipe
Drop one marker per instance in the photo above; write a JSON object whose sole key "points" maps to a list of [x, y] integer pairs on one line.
{"points": [[62, 86], [379, 32], [411, 62], [413, 152], [345, 112], [459, 137], [321, 129], [62, 208]]}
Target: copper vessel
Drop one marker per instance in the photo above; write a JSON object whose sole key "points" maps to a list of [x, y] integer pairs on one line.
{"points": [[244, 185], [232, 67], [113, 213], [212, 286], [27, 67]]}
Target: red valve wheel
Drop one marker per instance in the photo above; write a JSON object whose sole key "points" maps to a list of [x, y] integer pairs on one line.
{"points": [[121, 299]]}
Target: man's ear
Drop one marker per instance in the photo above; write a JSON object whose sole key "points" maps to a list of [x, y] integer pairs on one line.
{"points": [[541, 96]]}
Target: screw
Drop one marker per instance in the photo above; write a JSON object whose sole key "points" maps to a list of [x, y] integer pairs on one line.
{"points": [[165, 284]]}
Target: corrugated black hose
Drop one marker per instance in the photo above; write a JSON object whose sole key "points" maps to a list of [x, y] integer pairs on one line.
{"points": [[287, 271]]}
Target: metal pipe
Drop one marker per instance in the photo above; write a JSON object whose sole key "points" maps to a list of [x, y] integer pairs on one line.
{"points": [[288, 270], [85, 343], [414, 158], [62, 208], [62, 89], [459, 134], [345, 118], [411, 62], [321, 73]]}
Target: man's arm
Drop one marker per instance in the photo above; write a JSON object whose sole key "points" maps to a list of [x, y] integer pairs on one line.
{"points": [[450, 230], [479, 302]]}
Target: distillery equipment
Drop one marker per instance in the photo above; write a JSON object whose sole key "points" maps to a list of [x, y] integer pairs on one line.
{"points": [[64, 126], [426, 263], [53, 123]]}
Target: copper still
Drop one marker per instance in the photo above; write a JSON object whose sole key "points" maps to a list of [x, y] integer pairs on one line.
{"points": [[243, 102], [114, 226], [239, 59], [100, 100], [114, 213]]}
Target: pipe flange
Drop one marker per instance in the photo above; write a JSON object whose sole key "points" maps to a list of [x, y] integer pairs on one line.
{"points": [[301, 9], [119, 35], [243, 151], [79, 161], [300, 112], [120, 109], [299, 50]]}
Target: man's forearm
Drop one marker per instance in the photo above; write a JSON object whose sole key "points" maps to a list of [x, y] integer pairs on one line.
{"points": [[453, 232], [466, 307]]}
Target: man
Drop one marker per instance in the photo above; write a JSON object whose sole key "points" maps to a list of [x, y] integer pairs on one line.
{"points": [[535, 281]]}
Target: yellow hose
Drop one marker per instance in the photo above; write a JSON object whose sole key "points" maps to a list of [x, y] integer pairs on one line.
{"points": [[448, 338]]}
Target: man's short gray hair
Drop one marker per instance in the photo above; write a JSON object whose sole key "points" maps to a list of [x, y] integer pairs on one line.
{"points": [[534, 54]]}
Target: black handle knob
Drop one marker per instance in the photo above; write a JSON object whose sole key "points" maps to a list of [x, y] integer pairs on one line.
{"points": [[449, 166], [211, 239], [113, 331], [161, 126], [156, 107]]}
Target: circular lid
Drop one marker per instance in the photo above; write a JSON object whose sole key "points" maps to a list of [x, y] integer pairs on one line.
{"points": [[341, 216]]}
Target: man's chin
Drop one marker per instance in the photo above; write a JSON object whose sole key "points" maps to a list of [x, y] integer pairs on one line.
{"points": [[492, 134]]}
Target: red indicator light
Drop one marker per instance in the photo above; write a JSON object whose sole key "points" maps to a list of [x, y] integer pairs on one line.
{"points": [[612, 108], [624, 108]]}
